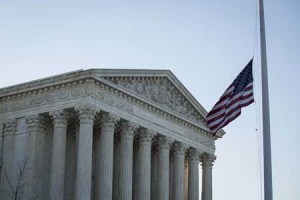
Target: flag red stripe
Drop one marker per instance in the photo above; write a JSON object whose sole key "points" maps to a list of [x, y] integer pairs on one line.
{"points": [[227, 114], [217, 109], [229, 120], [210, 116], [228, 107], [225, 121]]}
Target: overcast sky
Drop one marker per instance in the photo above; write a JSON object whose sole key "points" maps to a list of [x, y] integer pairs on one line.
{"points": [[204, 43]]}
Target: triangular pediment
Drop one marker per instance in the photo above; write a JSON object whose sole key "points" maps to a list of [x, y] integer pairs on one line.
{"points": [[161, 88]]}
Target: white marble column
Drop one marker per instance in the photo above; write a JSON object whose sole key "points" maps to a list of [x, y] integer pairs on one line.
{"points": [[171, 175], [207, 163], [186, 179], [126, 160], [104, 177], [35, 128], [163, 153], [135, 167], [178, 179], [77, 130], [57, 176], [116, 168], [84, 152], [143, 168], [193, 174], [71, 156], [154, 161]]}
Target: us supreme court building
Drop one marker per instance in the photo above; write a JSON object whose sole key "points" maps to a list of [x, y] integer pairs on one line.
{"points": [[105, 134]]}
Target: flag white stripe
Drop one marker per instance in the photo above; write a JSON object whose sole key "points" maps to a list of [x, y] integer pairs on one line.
{"points": [[228, 110], [237, 112], [229, 91], [225, 102], [247, 100], [228, 101], [228, 118]]}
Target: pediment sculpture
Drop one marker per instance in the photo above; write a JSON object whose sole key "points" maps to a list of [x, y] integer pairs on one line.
{"points": [[161, 91]]}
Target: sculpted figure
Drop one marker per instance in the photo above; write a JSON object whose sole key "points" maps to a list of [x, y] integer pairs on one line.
{"points": [[163, 98], [140, 87], [148, 89], [180, 105], [155, 91], [171, 93]]}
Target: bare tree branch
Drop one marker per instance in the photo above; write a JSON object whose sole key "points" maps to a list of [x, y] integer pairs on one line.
{"points": [[8, 181], [6, 192], [16, 191]]}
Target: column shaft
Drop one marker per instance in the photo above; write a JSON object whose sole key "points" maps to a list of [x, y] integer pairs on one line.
{"points": [[35, 126], [117, 168], [193, 175], [58, 155], [84, 153], [163, 153], [105, 156], [143, 171], [154, 174], [186, 179], [171, 176], [178, 179], [126, 159], [207, 163]]}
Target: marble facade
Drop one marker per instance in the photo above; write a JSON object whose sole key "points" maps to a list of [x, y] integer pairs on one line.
{"points": [[105, 134]]}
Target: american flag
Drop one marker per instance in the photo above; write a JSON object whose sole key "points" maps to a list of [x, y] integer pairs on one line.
{"points": [[239, 94]]}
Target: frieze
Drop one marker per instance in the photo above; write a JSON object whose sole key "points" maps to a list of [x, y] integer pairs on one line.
{"points": [[113, 100], [62, 95], [161, 91]]}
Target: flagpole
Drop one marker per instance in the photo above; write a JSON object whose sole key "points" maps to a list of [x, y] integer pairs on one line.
{"points": [[268, 193]]}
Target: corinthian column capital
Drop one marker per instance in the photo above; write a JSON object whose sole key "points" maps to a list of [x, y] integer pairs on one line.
{"points": [[10, 126], [35, 122], [145, 135], [87, 112], [59, 117], [179, 149], [128, 129], [207, 159], [163, 143], [194, 154], [109, 120]]}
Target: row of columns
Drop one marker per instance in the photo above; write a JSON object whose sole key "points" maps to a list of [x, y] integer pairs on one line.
{"points": [[114, 177]]}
